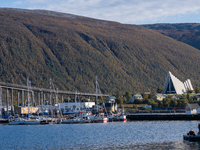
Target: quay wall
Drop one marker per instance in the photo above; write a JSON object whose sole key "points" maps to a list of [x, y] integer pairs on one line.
{"points": [[162, 117]]}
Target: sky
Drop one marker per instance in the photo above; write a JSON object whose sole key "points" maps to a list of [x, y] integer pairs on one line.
{"points": [[123, 11]]}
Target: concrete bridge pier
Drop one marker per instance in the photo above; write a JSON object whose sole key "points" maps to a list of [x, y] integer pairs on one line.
{"points": [[38, 98], [18, 98], [44, 99], [22, 98], [33, 99], [42, 102], [7, 101], [12, 113]]}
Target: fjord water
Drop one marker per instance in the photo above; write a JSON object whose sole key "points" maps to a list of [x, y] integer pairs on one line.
{"points": [[117, 135]]}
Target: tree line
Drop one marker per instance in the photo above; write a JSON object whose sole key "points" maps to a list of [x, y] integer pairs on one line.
{"points": [[168, 101]]}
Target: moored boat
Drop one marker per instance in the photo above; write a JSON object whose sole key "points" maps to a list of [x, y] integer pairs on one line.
{"points": [[17, 121], [75, 121], [21, 121], [4, 120], [122, 118], [191, 137]]}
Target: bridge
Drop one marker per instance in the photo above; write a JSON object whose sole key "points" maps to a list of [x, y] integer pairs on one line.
{"points": [[40, 92]]}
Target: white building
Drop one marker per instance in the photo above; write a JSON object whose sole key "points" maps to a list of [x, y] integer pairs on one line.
{"points": [[191, 109], [81, 105], [159, 96], [174, 86]]}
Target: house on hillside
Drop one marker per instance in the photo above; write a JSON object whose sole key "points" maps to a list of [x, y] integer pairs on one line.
{"points": [[111, 99], [191, 109], [176, 97], [196, 97], [136, 96], [159, 96]]}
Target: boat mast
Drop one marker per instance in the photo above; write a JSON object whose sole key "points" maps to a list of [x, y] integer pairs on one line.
{"points": [[96, 91], [51, 105], [50, 99], [28, 93]]}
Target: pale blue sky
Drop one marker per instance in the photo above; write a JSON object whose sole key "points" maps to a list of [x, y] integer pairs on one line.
{"points": [[124, 11]]}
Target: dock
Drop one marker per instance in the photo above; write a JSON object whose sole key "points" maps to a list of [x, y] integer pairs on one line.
{"points": [[161, 116]]}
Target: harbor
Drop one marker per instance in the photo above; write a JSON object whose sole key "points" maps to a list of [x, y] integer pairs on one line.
{"points": [[51, 111]]}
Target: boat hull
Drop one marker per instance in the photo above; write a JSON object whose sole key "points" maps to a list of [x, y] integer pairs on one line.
{"points": [[75, 121], [123, 118], [4, 121], [191, 137]]}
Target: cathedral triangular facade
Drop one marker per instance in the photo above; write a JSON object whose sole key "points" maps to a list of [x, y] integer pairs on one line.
{"points": [[174, 86]]}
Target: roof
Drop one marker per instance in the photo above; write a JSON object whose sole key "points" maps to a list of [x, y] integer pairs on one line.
{"points": [[174, 86], [137, 95], [192, 106], [159, 95], [111, 97]]}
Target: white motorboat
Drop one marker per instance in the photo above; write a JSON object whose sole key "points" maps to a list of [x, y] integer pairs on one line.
{"points": [[31, 122], [17, 121], [21, 121], [98, 118]]}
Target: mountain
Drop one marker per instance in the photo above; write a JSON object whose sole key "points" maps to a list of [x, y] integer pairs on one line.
{"points": [[188, 33], [72, 50]]}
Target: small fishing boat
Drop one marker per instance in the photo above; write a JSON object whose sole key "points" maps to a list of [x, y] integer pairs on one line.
{"points": [[191, 137]]}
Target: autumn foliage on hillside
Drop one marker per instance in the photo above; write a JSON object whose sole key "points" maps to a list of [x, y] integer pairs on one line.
{"points": [[73, 50]]}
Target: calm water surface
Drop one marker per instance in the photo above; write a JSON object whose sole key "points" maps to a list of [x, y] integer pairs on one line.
{"points": [[118, 135]]}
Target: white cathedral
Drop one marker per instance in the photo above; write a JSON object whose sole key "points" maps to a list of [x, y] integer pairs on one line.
{"points": [[174, 86]]}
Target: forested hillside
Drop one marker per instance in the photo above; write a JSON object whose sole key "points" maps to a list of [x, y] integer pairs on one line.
{"points": [[188, 33], [72, 50]]}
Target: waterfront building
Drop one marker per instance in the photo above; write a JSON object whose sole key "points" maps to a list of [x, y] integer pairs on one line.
{"points": [[25, 110], [78, 105], [174, 86], [191, 109]]}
